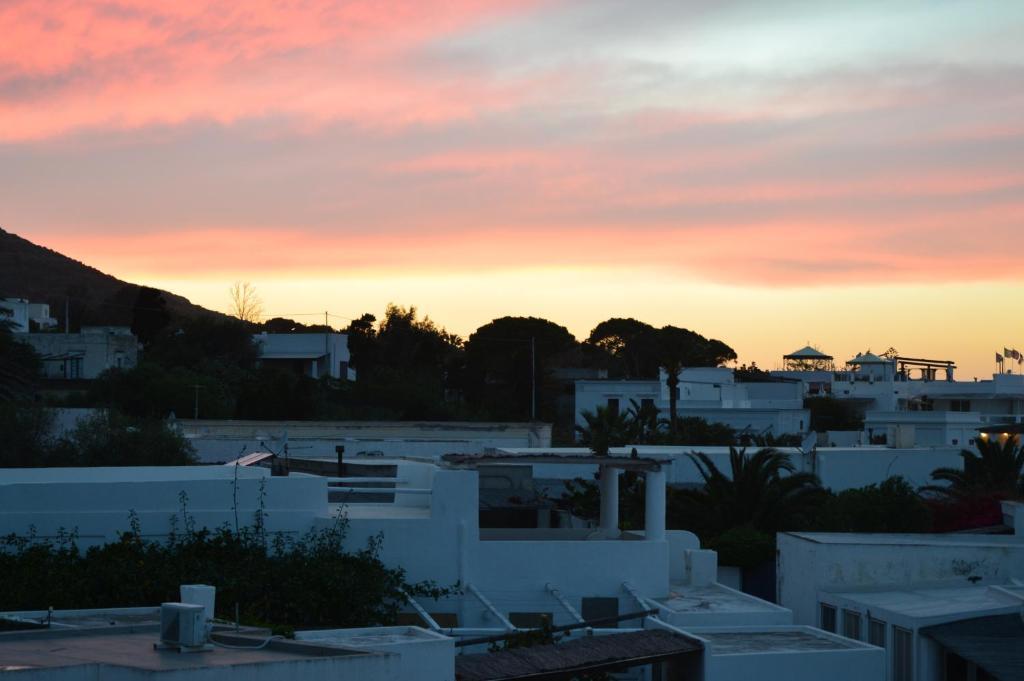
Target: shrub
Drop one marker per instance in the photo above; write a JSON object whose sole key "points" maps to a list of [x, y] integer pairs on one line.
{"points": [[309, 581]]}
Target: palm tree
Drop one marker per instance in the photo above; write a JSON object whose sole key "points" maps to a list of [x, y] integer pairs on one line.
{"points": [[605, 428], [995, 471], [675, 349], [764, 491], [644, 422]]}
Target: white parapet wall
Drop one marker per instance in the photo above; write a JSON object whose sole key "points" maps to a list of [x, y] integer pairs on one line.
{"points": [[223, 440], [792, 653], [95, 503]]}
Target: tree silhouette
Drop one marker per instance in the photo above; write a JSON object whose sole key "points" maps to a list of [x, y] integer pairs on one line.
{"points": [[995, 472], [246, 304], [149, 315], [763, 491], [675, 349]]}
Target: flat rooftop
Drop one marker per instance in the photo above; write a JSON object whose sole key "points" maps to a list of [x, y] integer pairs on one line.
{"points": [[88, 619], [134, 650], [853, 538], [793, 640], [371, 637], [712, 598], [939, 602]]}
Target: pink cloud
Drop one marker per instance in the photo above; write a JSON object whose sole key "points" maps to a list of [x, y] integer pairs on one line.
{"points": [[69, 65]]}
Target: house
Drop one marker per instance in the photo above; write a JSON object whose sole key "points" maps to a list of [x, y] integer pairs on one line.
{"points": [[710, 393], [909, 401], [87, 354], [931, 601], [26, 316], [310, 354]]}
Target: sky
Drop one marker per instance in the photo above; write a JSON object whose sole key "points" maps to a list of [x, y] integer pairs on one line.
{"points": [[845, 174]]}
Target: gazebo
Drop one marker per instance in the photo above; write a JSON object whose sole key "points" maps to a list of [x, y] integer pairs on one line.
{"points": [[807, 359]]}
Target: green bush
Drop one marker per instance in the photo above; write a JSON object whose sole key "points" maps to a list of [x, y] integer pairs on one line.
{"points": [[892, 506], [309, 581]]}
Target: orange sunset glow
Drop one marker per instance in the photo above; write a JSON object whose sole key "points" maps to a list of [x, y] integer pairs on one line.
{"points": [[770, 174]]}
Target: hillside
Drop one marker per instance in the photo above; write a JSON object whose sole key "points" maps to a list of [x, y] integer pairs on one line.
{"points": [[93, 297]]}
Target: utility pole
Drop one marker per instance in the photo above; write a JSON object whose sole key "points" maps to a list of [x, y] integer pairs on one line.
{"points": [[533, 378], [67, 315], [195, 411]]}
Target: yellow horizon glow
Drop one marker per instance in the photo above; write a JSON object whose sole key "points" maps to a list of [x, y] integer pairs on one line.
{"points": [[939, 321]]}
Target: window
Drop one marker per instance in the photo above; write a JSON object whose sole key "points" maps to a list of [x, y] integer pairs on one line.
{"points": [[902, 655], [613, 405], [647, 403], [444, 619], [828, 617], [959, 405], [530, 620], [876, 632], [600, 608], [851, 624]]}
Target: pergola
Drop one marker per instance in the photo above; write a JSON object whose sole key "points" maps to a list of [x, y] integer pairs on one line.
{"points": [[609, 468], [808, 359]]}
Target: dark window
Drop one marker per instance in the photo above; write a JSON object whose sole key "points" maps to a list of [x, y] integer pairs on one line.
{"points": [[613, 405], [647, 403], [851, 624], [902, 655], [959, 405], [530, 620], [876, 632], [828, 617], [956, 668], [444, 619], [600, 608]]}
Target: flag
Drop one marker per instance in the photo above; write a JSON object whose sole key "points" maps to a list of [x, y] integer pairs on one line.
{"points": [[1016, 354], [1007, 352], [999, 358]]}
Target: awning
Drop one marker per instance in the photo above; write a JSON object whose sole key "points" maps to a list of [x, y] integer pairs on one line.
{"points": [[996, 643], [580, 656]]}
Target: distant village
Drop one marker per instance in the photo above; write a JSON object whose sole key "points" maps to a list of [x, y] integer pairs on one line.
{"points": [[387, 501]]}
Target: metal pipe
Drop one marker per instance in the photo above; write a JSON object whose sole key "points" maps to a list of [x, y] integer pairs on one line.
{"points": [[565, 604], [420, 611], [642, 600], [494, 611]]}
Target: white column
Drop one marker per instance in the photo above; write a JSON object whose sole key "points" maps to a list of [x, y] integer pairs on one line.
{"points": [[610, 501], [654, 505]]}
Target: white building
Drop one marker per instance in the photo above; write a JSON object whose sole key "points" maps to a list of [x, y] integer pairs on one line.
{"points": [[838, 468], [223, 440], [918, 596], [86, 354], [710, 393], [310, 354], [910, 401], [23, 313], [652, 580]]}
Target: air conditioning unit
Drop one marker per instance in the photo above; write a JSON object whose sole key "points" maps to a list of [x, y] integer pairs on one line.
{"points": [[183, 627]]}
